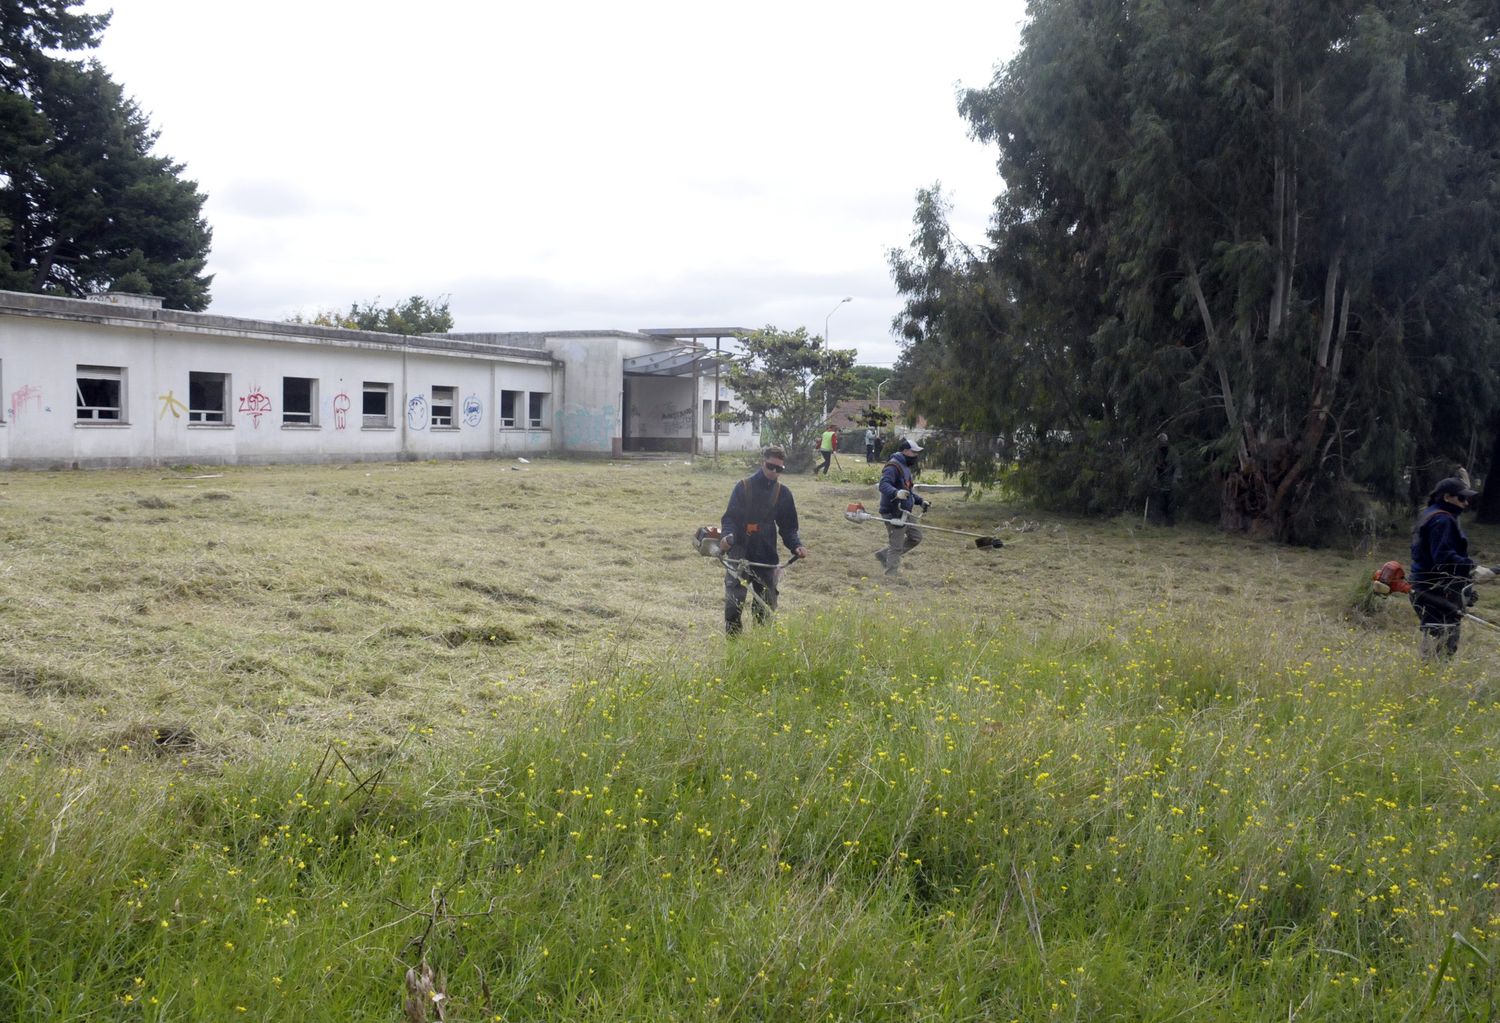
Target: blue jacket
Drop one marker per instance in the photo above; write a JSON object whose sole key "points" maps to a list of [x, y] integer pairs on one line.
{"points": [[897, 476], [1439, 550], [758, 509]]}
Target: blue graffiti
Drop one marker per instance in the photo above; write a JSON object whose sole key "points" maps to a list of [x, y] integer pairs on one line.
{"points": [[587, 429], [473, 411], [416, 412]]}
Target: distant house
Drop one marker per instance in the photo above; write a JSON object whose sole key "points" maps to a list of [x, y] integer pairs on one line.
{"points": [[846, 418]]}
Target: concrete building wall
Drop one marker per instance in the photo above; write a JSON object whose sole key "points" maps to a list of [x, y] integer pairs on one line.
{"points": [[439, 403], [162, 386]]}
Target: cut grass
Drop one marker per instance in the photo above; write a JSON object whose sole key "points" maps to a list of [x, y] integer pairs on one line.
{"points": [[1104, 773]]}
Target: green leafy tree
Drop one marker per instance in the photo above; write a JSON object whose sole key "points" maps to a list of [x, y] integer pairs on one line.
{"points": [[875, 416], [1266, 228], [867, 379], [786, 380], [416, 315], [84, 200]]}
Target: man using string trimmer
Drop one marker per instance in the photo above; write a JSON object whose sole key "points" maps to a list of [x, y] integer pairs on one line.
{"points": [[759, 508], [1441, 569], [897, 499]]}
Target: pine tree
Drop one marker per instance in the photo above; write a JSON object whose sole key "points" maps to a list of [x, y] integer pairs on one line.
{"points": [[84, 201]]}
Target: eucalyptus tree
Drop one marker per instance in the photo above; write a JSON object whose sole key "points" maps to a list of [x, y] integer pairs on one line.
{"points": [[1266, 228]]}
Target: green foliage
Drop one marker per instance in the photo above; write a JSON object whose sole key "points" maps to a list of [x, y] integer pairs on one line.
{"points": [[898, 819], [867, 380], [84, 201], [788, 380], [417, 315], [1268, 230], [29, 29]]}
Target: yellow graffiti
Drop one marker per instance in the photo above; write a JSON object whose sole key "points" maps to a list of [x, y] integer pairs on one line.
{"points": [[171, 403]]}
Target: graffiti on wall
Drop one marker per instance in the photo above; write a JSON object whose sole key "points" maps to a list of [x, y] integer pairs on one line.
{"points": [[255, 404], [340, 410], [416, 412], [28, 396], [171, 403], [588, 429], [473, 411]]}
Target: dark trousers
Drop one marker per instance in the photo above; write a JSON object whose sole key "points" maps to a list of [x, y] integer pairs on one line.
{"points": [[763, 581], [827, 457], [871, 451], [1441, 620]]}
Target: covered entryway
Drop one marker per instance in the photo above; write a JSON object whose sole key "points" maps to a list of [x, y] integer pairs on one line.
{"points": [[663, 405]]}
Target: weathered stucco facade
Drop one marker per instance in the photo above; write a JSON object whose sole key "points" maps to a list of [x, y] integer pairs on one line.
{"points": [[119, 381]]}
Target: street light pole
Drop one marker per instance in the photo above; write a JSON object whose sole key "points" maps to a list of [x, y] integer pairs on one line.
{"points": [[827, 347], [877, 391]]}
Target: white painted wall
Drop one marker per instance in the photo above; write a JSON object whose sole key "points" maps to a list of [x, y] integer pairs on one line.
{"points": [[40, 426], [566, 391]]}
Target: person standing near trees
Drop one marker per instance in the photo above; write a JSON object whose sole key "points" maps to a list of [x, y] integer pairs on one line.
{"points": [[1441, 569], [1163, 478], [759, 508], [872, 443], [829, 445]]}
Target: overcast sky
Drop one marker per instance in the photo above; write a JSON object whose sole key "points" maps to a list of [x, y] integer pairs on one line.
{"points": [[569, 165]]}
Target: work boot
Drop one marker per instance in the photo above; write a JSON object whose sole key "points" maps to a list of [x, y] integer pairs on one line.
{"points": [[880, 557]]}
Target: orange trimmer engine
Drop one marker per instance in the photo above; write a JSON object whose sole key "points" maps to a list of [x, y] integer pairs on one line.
{"points": [[1390, 578], [708, 541]]}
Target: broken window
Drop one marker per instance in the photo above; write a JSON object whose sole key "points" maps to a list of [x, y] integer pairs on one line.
{"points": [[100, 392], [508, 402], [208, 397], [299, 401], [377, 405], [443, 399]]}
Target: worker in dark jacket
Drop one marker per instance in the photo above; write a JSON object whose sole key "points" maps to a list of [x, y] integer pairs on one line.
{"points": [[759, 508], [1441, 569], [897, 499]]}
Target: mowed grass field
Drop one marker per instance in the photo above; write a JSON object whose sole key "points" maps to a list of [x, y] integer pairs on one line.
{"points": [[354, 602], [274, 737]]}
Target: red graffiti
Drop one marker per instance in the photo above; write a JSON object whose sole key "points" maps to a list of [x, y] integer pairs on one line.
{"points": [[255, 405], [340, 410], [28, 395]]}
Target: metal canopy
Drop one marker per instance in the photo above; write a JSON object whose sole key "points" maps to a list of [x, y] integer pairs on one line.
{"points": [[695, 332], [679, 362]]}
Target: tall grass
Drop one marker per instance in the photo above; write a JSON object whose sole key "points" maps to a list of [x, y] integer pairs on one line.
{"points": [[892, 818]]}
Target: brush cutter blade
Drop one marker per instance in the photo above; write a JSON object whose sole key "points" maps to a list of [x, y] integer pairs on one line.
{"points": [[991, 542]]}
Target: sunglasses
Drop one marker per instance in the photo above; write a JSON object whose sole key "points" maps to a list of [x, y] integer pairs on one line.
{"points": [[774, 468]]}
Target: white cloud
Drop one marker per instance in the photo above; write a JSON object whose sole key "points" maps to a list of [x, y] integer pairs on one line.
{"points": [[587, 164]]}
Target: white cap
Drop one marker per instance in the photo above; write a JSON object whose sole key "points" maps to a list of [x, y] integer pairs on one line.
{"points": [[913, 447]]}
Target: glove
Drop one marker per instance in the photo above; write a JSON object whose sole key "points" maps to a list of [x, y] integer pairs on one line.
{"points": [[726, 542], [1470, 597], [902, 495], [1482, 574], [925, 503]]}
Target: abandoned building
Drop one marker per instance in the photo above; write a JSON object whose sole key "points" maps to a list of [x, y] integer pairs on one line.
{"points": [[116, 380]]}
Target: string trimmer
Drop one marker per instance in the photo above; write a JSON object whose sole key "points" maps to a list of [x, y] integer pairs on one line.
{"points": [[708, 542], [1391, 578], [856, 513]]}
